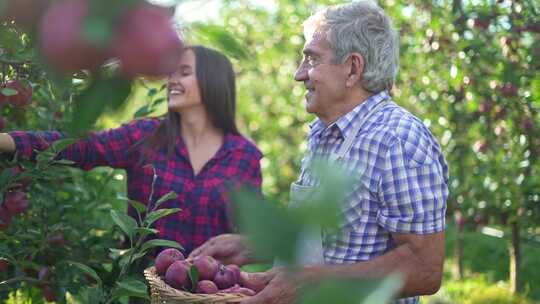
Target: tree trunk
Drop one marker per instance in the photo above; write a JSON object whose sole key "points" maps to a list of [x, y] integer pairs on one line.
{"points": [[458, 254], [515, 259]]}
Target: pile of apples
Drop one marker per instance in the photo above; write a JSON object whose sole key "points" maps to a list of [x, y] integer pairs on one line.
{"points": [[213, 277]]}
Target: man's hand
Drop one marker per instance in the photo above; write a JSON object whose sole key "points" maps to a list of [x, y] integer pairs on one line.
{"points": [[226, 248], [280, 290]]}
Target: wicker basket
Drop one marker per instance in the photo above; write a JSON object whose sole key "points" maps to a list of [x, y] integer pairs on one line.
{"points": [[161, 293]]}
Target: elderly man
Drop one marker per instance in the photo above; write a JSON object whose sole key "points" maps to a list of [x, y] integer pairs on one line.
{"points": [[393, 219]]}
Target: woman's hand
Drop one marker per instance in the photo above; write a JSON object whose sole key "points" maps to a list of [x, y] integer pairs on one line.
{"points": [[7, 144], [226, 248]]}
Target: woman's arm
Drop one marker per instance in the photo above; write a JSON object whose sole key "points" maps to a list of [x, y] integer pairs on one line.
{"points": [[105, 148], [7, 144]]}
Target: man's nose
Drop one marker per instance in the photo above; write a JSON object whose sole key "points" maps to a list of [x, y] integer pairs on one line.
{"points": [[301, 73]]}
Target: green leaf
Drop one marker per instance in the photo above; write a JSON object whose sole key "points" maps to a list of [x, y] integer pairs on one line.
{"points": [[61, 144], [104, 92], [143, 111], [64, 162], [87, 270], [156, 215], [140, 207], [8, 92], [152, 92], [143, 232], [222, 39], [158, 101], [271, 230], [128, 259], [45, 157], [160, 243], [169, 196], [194, 275], [125, 222], [133, 287]]}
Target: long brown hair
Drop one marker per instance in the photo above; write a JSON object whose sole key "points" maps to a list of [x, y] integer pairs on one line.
{"points": [[216, 80]]}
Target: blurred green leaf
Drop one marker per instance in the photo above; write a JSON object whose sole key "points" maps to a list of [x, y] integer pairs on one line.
{"points": [[222, 39], [169, 196], [160, 243], [103, 93], [125, 222], [133, 287], [143, 232], [271, 230], [140, 207], [61, 144], [87, 270], [8, 92], [156, 215]]}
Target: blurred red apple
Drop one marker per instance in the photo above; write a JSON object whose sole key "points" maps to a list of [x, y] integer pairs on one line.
{"points": [[485, 106], [61, 40], [24, 92], [48, 293], [56, 239], [480, 23], [509, 90], [16, 202], [5, 218], [146, 43], [527, 124], [25, 13], [4, 265]]}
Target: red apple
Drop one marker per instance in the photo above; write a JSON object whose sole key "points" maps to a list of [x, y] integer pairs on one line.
{"points": [[5, 218], [4, 265], [48, 293], [165, 258], [16, 202], [527, 125], [177, 275], [56, 239], [146, 43], [509, 90], [485, 106], [206, 287], [61, 40], [24, 92], [225, 278], [207, 267], [25, 13], [481, 24]]}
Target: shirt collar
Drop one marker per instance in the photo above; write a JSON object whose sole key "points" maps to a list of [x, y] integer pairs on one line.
{"points": [[345, 123]]}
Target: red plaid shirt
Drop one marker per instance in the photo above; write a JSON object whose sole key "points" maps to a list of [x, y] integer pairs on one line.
{"points": [[202, 198]]}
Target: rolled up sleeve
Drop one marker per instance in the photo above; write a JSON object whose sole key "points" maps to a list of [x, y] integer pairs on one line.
{"points": [[413, 190]]}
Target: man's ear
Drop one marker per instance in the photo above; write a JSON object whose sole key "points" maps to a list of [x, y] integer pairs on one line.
{"points": [[356, 69]]}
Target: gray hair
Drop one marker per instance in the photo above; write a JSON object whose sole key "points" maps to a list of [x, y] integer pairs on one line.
{"points": [[361, 27]]}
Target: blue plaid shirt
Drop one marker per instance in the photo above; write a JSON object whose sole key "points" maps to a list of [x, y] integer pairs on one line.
{"points": [[401, 185]]}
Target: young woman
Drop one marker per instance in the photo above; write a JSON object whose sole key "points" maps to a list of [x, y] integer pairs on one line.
{"points": [[195, 150]]}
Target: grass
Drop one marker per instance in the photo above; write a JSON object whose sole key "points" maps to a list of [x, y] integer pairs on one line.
{"points": [[486, 264]]}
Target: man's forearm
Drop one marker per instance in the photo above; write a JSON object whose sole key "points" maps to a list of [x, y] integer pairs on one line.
{"points": [[420, 277], [7, 144]]}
